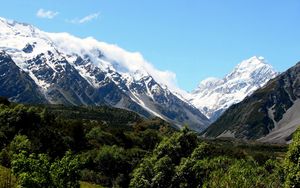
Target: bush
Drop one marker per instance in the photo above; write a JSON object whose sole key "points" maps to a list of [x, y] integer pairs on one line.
{"points": [[32, 170], [292, 162], [65, 172]]}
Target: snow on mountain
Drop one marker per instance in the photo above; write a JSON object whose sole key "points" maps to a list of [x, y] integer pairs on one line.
{"points": [[270, 114], [213, 95], [76, 71], [16, 35]]}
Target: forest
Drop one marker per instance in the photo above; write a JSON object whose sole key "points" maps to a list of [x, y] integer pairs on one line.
{"points": [[66, 146]]}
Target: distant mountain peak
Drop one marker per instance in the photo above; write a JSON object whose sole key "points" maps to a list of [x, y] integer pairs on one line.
{"points": [[213, 95], [249, 65], [270, 114], [251, 62], [254, 60]]}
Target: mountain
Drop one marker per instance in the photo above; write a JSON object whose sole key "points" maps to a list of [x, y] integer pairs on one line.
{"points": [[16, 84], [270, 114], [58, 68], [213, 95]]}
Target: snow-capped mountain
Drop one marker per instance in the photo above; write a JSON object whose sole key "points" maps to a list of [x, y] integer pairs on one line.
{"points": [[213, 95], [60, 68], [270, 114]]}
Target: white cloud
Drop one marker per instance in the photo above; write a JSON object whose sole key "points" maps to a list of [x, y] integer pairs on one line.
{"points": [[41, 13], [120, 59], [85, 19]]}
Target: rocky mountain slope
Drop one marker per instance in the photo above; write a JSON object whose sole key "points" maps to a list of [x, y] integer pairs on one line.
{"points": [[270, 114], [213, 95], [57, 68]]}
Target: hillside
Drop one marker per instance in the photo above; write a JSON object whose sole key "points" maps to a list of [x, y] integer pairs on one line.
{"points": [[270, 114], [55, 146]]}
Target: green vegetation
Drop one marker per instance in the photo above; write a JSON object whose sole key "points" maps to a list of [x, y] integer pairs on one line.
{"points": [[185, 161], [7, 179], [89, 185], [56, 146], [292, 163]]}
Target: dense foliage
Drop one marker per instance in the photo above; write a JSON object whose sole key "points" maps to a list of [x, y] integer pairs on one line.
{"points": [[292, 162], [56, 146], [184, 161]]}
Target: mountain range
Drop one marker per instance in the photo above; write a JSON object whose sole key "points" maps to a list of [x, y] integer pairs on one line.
{"points": [[251, 102], [58, 68]]}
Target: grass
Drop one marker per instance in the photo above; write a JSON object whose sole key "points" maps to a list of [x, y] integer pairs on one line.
{"points": [[254, 149], [7, 180], [89, 185]]}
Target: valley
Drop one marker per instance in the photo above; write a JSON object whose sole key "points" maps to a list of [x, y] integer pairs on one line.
{"points": [[79, 112], [105, 146]]}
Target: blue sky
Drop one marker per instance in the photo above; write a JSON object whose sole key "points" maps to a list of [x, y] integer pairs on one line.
{"points": [[194, 39]]}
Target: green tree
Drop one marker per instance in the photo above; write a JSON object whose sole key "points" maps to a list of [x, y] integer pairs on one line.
{"points": [[292, 162], [17, 120], [180, 144], [157, 170], [150, 138], [97, 137], [20, 143], [31, 170], [163, 171], [36, 171], [112, 162], [142, 176], [191, 172], [65, 172]]}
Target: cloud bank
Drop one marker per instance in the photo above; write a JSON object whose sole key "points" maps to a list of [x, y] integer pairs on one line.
{"points": [[48, 14], [120, 59]]}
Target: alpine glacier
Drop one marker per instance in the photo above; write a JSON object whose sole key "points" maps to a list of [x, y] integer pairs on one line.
{"points": [[213, 95], [59, 68]]}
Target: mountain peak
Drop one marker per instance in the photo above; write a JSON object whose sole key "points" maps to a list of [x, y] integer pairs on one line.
{"points": [[260, 58], [251, 63], [14, 34], [248, 68], [13, 23], [213, 96]]}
